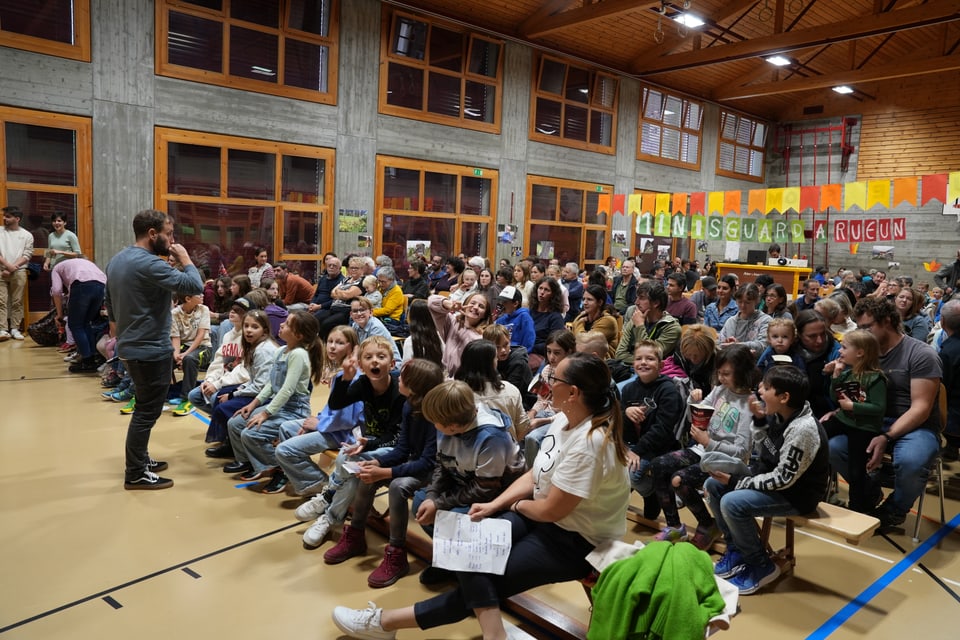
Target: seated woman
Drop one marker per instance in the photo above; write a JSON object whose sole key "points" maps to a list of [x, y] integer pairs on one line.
{"points": [[573, 499], [915, 324], [833, 312], [596, 316], [391, 306], [342, 294], [717, 313], [775, 302], [547, 314], [262, 269]]}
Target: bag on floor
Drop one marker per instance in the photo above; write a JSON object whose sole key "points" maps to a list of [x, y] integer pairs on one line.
{"points": [[45, 331]]}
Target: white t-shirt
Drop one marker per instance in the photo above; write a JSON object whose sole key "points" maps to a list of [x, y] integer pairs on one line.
{"points": [[587, 467]]}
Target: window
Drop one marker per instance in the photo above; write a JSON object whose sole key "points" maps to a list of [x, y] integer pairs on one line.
{"points": [[742, 145], [670, 130], [433, 72], [564, 221], [574, 106], [282, 47], [433, 208], [55, 27], [229, 195], [44, 169]]}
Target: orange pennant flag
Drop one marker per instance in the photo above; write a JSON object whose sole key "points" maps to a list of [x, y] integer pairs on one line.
{"points": [[854, 247], [649, 204], [757, 201], [603, 203], [830, 196], [679, 203], [731, 202], [855, 195], [878, 193], [905, 190], [714, 203]]}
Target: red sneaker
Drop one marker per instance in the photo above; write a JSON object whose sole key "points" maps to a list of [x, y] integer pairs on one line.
{"points": [[393, 567], [352, 543]]}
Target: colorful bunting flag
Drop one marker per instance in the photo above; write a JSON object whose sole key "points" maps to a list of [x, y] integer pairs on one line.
{"points": [[830, 196], [634, 204], [855, 195], [731, 202], [905, 190], [619, 202], [878, 193], [698, 202], [679, 203], [603, 203], [791, 199], [810, 198], [757, 201], [933, 188], [715, 203]]}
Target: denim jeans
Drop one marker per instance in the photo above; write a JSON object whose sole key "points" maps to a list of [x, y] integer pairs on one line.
{"points": [[398, 495], [913, 455], [255, 445], [83, 315], [542, 553], [736, 510], [294, 451], [344, 485], [151, 378], [190, 365]]}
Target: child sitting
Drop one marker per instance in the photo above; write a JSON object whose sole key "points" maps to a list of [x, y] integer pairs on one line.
{"points": [[782, 339], [190, 334], [227, 368], [372, 289]]}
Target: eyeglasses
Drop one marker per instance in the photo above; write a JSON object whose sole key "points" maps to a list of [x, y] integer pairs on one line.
{"points": [[358, 312], [552, 379]]}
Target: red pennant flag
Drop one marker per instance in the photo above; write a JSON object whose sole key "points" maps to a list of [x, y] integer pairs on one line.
{"points": [[933, 188], [810, 198], [619, 203], [698, 202]]}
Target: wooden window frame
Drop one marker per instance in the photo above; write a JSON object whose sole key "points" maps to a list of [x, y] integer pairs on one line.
{"points": [[423, 166], [726, 113], [681, 130], [79, 50], [223, 78], [389, 19], [591, 106], [585, 187], [164, 136]]}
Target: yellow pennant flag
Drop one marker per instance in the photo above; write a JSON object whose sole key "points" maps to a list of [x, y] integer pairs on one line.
{"points": [[634, 204], [878, 193], [715, 203], [953, 187], [791, 199], [774, 201], [663, 203], [855, 194]]}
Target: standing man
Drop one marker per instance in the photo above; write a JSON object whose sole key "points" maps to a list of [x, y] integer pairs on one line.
{"points": [[624, 287], [679, 307], [139, 288], [16, 247], [85, 283], [295, 290]]}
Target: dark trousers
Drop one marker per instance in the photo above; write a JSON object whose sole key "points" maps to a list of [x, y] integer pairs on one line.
{"points": [[330, 318], [151, 378], [83, 315]]}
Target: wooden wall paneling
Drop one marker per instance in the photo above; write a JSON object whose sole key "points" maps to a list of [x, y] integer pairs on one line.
{"points": [[909, 143]]}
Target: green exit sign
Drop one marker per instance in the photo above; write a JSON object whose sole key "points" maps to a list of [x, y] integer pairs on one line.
{"points": [[599, 189], [478, 172]]}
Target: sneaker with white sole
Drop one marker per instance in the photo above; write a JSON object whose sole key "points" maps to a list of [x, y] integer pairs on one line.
{"points": [[185, 408], [312, 508], [672, 534], [362, 623], [149, 481], [15, 334], [4, 335], [729, 564], [752, 578], [317, 533]]}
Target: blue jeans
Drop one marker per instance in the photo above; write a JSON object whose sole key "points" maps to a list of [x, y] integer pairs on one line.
{"points": [[256, 445], [913, 455], [736, 510], [83, 315], [294, 451], [344, 485], [151, 378]]}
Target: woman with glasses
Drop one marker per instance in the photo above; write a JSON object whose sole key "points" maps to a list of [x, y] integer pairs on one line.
{"points": [[775, 302], [573, 499], [342, 295], [363, 322]]}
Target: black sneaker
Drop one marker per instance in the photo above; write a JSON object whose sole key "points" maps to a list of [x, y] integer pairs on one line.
{"points": [[148, 481], [223, 450], [237, 467], [87, 365], [277, 483], [156, 466]]}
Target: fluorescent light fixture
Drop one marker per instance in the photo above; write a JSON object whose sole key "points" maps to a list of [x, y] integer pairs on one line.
{"points": [[689, 20], [470, 111], [843, 89], [779, 61], [263, 71]]}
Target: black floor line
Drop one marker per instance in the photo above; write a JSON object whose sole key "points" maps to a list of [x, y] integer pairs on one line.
{"points": [[105, 593], [953, 594]]}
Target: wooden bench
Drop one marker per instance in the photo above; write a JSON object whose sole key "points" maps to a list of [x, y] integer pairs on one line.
{"points": [[851, 526]]}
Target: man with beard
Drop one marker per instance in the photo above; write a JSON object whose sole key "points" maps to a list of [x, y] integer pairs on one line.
{"points": [[138, 297]]}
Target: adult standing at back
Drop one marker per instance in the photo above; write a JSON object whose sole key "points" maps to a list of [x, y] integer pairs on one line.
{"points": [[85, 283], [139, 288], [61, 243], [16, 247]]}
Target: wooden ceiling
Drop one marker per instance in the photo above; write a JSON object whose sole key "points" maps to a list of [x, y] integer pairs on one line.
{"points": [[871, 45]]}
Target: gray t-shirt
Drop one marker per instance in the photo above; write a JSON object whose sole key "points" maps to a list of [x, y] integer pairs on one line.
{"points": [[910, 359]]}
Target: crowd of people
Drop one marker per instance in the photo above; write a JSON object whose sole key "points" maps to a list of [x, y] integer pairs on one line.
{"points": [[531, 392]]}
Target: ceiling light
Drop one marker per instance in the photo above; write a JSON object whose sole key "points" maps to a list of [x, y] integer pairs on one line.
{"points": [[263, 71], [779, 61], [844, 89], [667, 112], [689, 20]]}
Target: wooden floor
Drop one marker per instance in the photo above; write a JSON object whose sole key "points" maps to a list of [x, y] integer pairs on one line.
{"points": [[82, 558]]}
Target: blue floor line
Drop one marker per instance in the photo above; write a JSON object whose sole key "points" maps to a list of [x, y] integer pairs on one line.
{"points": [[868, 594]]}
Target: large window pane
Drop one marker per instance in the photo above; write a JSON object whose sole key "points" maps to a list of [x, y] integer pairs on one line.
{"points": [[474, 238], [301, 232], [306, 65], [439, 192], [606, 92], [38, 208], [443, 96], [566, 241], [548, 117], [405, 86], [552, 74], [401, 189], [575, 123], [601, 128], [401, 229], [312, 16], [480, 102], [475, 194], [193, 169], [410, 38], [251, 174], [595, 247], [484, 57], [262, 12], [543, 202], [578, 85], [571, 205], [195, 42], [41, 155], [253, 54], [671, 144], [53, 20], [650, 139], [304, 179], [446, 49], [216, 234]]}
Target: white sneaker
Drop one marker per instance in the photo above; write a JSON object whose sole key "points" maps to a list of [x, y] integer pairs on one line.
{"points": [[15, 334], [4, 335], [362, 623], [73, 358], [314, 536], [312, 508]]}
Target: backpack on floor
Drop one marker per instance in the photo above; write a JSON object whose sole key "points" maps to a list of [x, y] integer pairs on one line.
{"points": [[45, 331]]}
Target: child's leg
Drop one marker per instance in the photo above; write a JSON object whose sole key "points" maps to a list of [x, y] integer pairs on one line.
{"points": [[663, 467], [690, 480], [740, 509], [400, 492], [236, 426], [857, 478], [293, 454], [258, 441], [345, 493]]}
